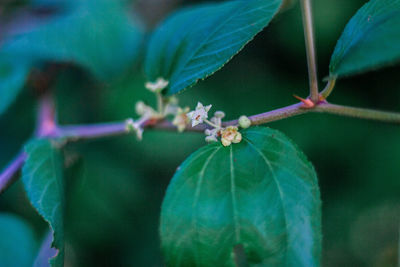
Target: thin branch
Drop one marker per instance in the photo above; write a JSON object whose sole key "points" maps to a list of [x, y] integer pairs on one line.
{"points": [[8, 176], [46, 122], [360, 113], [274, 115], [46, 126], [308, 26], [329, 88], [82, 132]]}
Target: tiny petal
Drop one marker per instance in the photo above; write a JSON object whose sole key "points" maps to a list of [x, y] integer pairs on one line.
{"points": [[211, 139], [190, 114], [140, 107], [132, 126], [237, 139], [207, 108], [196, 122], [230, 135], [139, 134], [181, 119], [157, 86], [225, 142]]}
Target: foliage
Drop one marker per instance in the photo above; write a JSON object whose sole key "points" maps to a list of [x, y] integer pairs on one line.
{"points": [[245, 194], [195, 42], [44, 184], [370, 39], [253, 199]]}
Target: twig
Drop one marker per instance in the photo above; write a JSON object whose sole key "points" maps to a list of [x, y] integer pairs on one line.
{"points": [[46, 127], [360, 113], [308, 26], [8, 176], [73, 133]]}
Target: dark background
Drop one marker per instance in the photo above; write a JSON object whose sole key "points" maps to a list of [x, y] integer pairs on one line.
{"points": [[116, 185]]}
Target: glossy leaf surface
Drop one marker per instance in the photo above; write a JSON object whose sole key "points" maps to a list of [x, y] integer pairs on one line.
{"points": [[42, 178], [261, 193], [370, 40], [195, 42]]}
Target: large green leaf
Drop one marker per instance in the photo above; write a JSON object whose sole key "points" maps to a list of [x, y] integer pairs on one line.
{"points": [[261, 193], [195, 42], [97, 34], [17, 243], [370, 40], [12, 79], [42, 178]]}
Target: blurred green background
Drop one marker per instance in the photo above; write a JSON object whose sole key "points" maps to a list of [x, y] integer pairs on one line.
{"points": [[115, 186]]}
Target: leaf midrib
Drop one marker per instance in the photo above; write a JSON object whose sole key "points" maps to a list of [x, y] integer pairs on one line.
{"points": [[268, 164]]}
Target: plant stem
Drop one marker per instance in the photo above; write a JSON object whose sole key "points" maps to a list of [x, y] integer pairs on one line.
{"points": [[329, 88], [308, 26], [277, 114], [8, 176], [212, 124], [160, 103], [46, 126], [360, 113], [81, 132], [92, 131]]}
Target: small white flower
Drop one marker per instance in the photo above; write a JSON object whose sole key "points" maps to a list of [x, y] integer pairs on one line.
{"points": [[157, 86], [219, 114], [134, 126], [144, 110], [230, 135], [200, 114], [181, 119]]}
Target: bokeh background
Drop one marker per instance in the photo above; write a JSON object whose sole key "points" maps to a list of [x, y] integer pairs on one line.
{"points": [[115, 186]]}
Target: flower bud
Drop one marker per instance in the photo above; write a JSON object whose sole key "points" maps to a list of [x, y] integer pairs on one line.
{"points": [[140, 108], [211, 139], [219, 114], [244, 122]]}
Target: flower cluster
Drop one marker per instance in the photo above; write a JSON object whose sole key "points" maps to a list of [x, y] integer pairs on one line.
{"points": [[228, 135], [182, 117]]}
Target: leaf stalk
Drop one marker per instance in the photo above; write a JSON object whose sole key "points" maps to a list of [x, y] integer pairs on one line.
{"points": [[308, 26]]}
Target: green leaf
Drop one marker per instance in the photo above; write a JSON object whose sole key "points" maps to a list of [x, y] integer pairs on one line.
{"points": [[261, 193], [17, 243], [42, 178], [99, 35], [370, 40], [195, 42], [12, 79]]}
